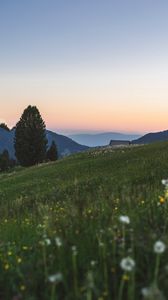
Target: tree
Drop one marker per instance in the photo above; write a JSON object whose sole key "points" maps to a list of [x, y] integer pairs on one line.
{"points": [[4, 161], [4, 126], [30, 138], [52, 153]]}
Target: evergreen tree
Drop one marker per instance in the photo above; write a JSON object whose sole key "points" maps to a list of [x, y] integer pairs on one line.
{"points": [[52, 153], [30, 138], [4, 161], [4, 126]]}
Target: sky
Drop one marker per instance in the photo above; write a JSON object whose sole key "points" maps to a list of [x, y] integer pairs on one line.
{"points": [[88, 65]]}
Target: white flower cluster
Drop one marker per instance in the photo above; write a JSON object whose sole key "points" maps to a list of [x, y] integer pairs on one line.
{"points": [[124, 219]]}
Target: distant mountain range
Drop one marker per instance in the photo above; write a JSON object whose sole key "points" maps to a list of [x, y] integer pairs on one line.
{"points": [[101, 139], [152, 138], [64, 144]]}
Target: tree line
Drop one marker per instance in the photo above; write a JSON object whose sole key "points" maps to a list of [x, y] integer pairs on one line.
{"points": [[30, 142]]}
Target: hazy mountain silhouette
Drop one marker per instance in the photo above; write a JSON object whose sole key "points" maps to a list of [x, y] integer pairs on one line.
{"points": [[101, 139], [152, 138], [64, 144]]}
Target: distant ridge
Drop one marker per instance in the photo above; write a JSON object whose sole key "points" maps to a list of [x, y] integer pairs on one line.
{"points": [[152, 138], [64, 144], [101, 139]]}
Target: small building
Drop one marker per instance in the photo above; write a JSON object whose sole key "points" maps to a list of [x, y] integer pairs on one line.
{"points": [[119, 143]]}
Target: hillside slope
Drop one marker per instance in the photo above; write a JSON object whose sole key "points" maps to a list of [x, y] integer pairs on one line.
{"points": [[61, 231], [152, 138], [111, 169]]}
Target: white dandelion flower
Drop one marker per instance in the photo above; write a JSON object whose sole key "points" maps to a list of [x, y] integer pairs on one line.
{"points": [[127, 264], [124, 219], [93, 263], [101, 244], [159, 247], [165, 182], [47, 242], [74, 250], [152, 292], [55, 278], [58, 242], [145, 292]]}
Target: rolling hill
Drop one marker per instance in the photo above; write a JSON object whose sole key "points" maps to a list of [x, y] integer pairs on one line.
{"points": [[152, 138], [69, 228]]}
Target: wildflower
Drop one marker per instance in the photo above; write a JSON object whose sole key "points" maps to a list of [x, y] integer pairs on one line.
{"points": [[159, 247], [55, 278], [19, 260], [161, 200], [166, 193], [22, 287], [6, 266], [74, 250], [47, 242], [124, 219], [58, 242], [127, 264], [9, 253], [105, 294], [165, 182], [101, 244], [152, 292], [25, 248], [125, 277], [93, 263]]}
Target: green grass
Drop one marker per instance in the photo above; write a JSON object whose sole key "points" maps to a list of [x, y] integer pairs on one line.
{"points": [[79, 200]]}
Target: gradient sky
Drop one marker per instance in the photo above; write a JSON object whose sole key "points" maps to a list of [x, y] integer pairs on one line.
{"points": [[89, 65]]}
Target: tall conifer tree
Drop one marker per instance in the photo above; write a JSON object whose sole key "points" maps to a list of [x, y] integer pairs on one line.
{"points": [[30, 138], [52, 153]]}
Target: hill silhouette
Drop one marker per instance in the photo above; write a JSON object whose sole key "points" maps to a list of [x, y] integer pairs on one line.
{"points": [[152, 138]]}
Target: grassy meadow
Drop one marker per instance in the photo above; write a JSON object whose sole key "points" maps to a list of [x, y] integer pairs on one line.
{"points": [[62, 231]]}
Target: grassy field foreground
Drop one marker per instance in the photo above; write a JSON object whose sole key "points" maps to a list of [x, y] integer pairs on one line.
{"points": [[85, 227]]}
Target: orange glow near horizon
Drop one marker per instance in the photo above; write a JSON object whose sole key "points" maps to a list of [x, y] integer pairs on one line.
{"points": [[89, 102]]}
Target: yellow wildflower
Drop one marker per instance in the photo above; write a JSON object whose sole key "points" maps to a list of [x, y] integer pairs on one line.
{"points": [[6, 266], [161, 200], [25, 248], [125, 277], [19, 260]]}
